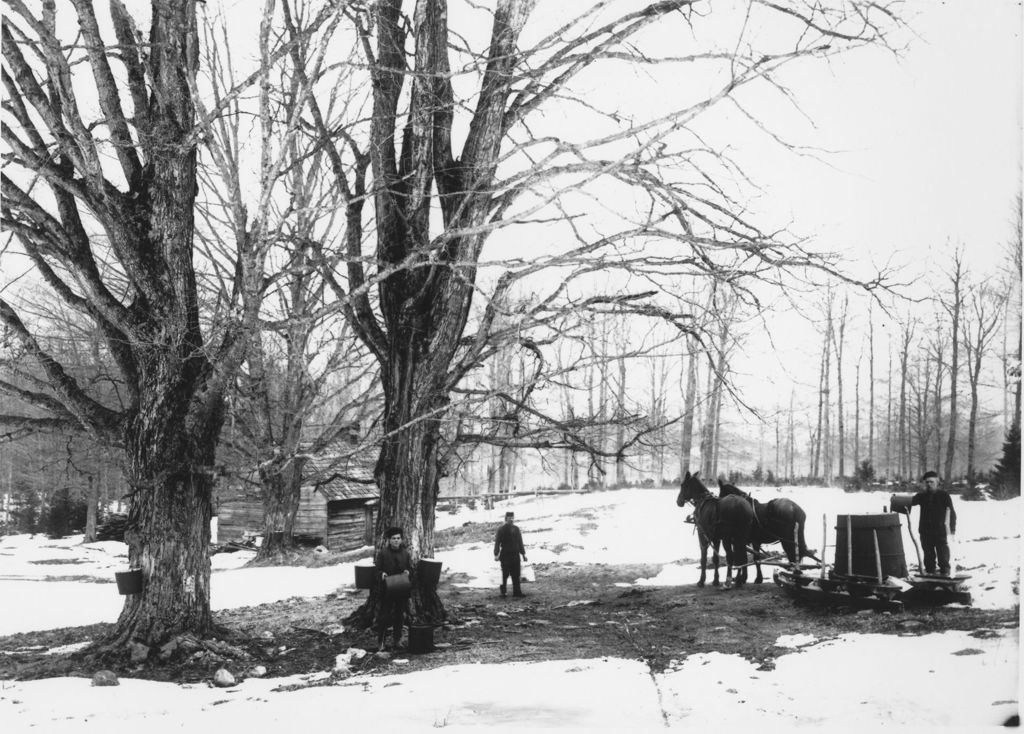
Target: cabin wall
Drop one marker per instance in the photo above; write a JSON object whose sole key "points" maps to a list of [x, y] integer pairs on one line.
{"points": [[349, 524], [241, 515], [311, 517], [237, 517]]}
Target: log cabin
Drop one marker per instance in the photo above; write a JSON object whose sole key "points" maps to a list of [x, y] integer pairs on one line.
{"points": [[337, 505]]}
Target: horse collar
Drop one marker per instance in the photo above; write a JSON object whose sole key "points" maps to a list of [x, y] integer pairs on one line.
{"points": [[698, 502]]}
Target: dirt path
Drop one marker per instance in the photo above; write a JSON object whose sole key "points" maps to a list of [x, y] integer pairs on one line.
{"points": [[572, 611]]}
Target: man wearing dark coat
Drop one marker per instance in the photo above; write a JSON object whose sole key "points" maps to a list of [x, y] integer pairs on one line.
{"points": [[392, 560], [508, 547], [936, 523]]}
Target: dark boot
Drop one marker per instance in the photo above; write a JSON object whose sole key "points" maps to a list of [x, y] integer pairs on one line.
{"points": [[502, 590]]}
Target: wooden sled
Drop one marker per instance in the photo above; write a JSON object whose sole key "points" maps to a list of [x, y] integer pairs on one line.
{"points": [[938, 590], [854, 591]]}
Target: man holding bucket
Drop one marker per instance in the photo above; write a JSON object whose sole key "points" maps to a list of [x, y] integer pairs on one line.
{"points": [[508, 547], [936, 524], [394, 564]]}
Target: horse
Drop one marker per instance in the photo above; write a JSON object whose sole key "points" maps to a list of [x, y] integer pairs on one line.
{"points": [[781, 520], [727, 520]]}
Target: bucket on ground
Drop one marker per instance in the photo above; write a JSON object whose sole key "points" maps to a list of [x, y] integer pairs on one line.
{"points": [[129, 582], [855, 550], [365, 576], [421, 639], [428, 571], [397, 586]]}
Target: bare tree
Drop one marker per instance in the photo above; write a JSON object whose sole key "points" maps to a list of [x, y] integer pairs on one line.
{"points": [[280, 216], [871, 385], [952, 305], [938, 350], [978, 331], [888, 415], [452, 164], [821, 463], [724, 309], [919, 429], [903, 432], [838, 342], [102, 202], [689, 406], [856, 418]]}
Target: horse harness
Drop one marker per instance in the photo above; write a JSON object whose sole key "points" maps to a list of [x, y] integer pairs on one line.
{"points": [[698, 503]]}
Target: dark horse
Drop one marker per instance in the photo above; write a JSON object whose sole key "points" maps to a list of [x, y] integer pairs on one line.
{"points": [[727, 520], [780, 520]]}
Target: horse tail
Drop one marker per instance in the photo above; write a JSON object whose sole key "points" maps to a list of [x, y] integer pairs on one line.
{"points": [[800, 521], [801, 543]]}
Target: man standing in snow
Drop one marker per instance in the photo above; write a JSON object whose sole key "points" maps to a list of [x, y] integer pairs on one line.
{"points": [[508, 547], [392, 560], [936, 524]]}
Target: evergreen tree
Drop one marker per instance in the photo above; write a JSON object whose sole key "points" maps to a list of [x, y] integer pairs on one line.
{"points": [[865, 473], [1006, 477]]}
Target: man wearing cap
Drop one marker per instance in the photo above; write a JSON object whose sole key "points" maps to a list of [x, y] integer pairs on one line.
{"points": [[936, 523], [508, 547], [392, 560]]}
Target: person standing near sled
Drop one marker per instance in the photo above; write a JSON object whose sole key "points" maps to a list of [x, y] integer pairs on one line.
{"points": [[936, 524], [392, 560], [508, 547]]}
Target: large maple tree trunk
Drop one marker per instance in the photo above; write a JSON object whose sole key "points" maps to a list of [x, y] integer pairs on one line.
{"points": [[281, 491], [408, 474], [170, 457], [169, 542], [171, 436], [92, 501]]}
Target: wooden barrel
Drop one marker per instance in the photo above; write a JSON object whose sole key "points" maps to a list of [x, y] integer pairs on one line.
{"points": [[428, 571], [397, 586], [859, 545], [365, 576]]}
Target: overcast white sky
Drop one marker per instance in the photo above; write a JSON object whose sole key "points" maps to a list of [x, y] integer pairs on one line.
{"points": [[927, 150], [928, 158], [933, 141]]}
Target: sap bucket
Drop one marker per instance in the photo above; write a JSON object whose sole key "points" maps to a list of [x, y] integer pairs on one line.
{"points": [[129, 582], [421, 639], [855, 546], [429, 572], [900, 502], [364, 576], [397, 586]]}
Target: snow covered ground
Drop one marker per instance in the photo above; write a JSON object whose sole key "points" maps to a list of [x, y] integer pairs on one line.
{"points": [[948, 679]]}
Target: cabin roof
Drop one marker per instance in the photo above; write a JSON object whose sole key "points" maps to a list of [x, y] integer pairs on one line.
{"points": [[341, 480]]}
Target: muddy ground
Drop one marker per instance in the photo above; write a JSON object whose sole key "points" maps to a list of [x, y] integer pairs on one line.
{"points": [[571, 611]]}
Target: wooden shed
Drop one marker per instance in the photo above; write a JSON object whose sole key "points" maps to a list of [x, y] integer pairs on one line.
{"points": [[337, 506], [351, 509]]}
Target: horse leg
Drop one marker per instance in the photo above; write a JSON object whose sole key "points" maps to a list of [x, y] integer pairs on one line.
{"points": [[727, 549], [715, 556], [739, 559], [791, 552], [703, 561], [757, 563]]}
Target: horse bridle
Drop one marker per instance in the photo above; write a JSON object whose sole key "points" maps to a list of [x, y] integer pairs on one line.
{"points": [[699, 502]]}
